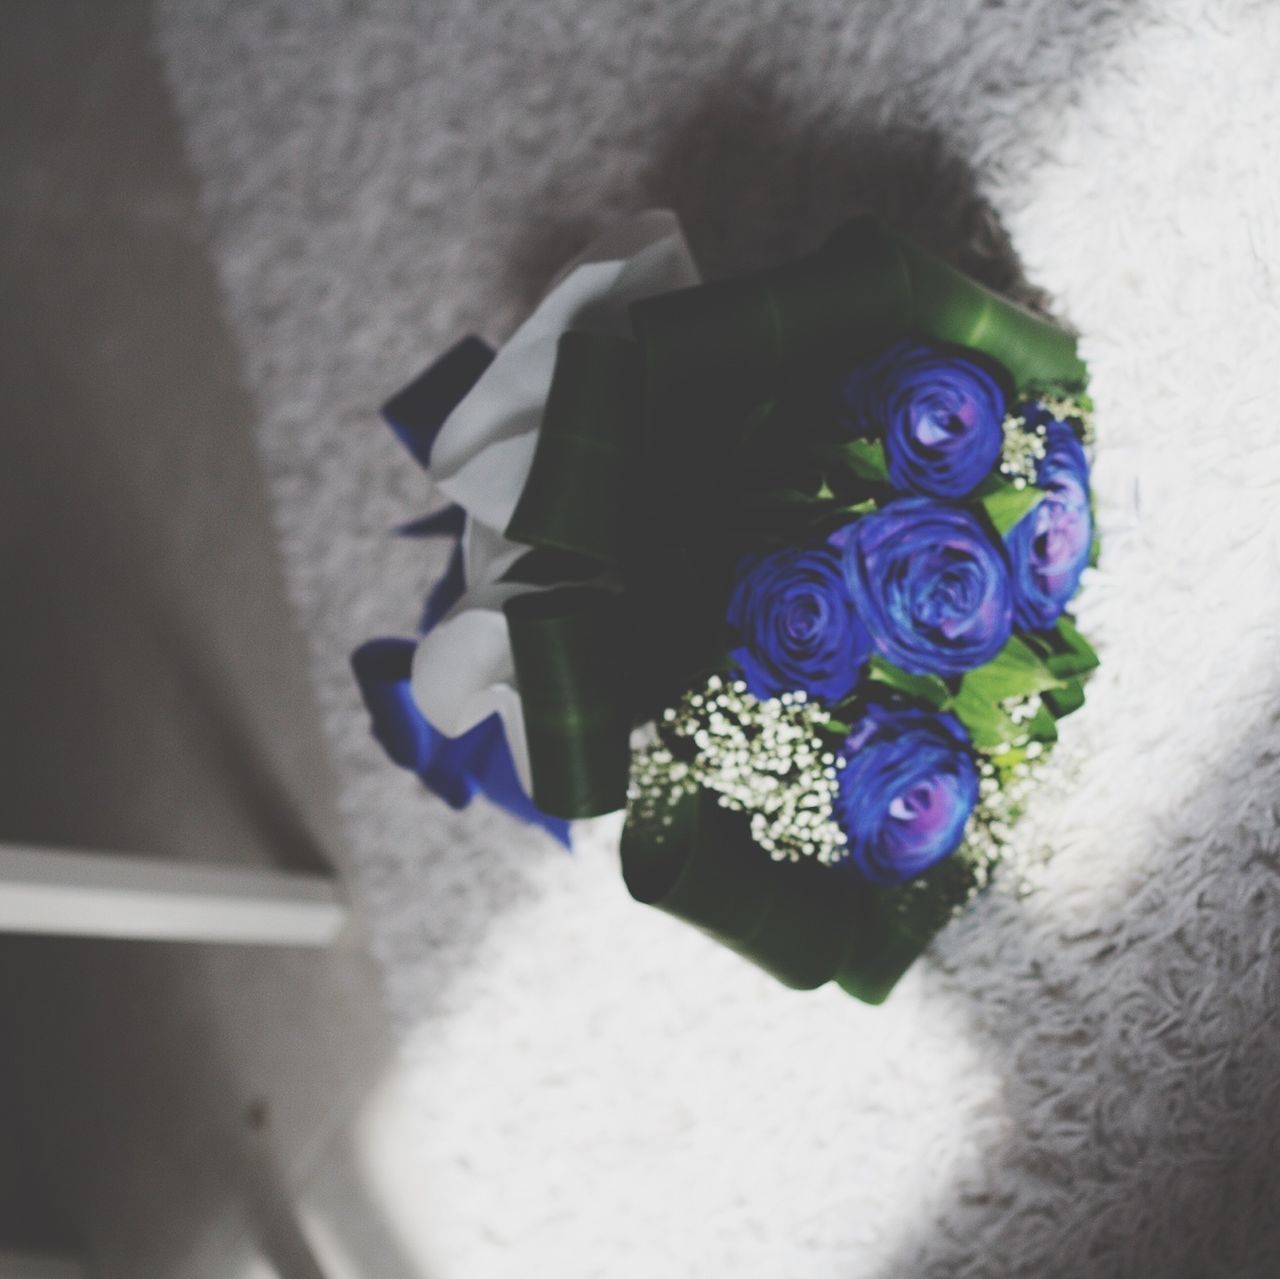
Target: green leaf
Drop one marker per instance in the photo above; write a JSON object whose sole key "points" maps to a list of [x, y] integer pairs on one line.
{"points": [[925, 688], [696, 860], [857, 509], [757, 423], [989, 726], [863, 458], [576, 689], [552, 568], [903, 920], [1007, 761], [1043, 726], [1063, 701], [711, 355], [571, 499], [784, 498], [802, 922], [1073, 654], [1007, 505], [952, 308], [1016, 671]]}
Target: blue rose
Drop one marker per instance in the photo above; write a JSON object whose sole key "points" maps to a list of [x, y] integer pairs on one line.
{"points": [[930, 585], [1049, 548], [796, 626], [905, 791], [939, 415]]}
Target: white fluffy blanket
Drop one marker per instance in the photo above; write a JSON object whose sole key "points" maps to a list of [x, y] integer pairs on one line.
{"points": [[1082, 1083]]}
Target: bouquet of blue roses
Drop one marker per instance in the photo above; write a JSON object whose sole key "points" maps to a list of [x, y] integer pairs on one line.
{"points": [[780, 564]]}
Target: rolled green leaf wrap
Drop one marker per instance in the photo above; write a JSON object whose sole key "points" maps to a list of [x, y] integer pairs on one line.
{"points": [[706, 869], [570, 654], [713, 353], [799, 921], [953, 308], [571, 501]]}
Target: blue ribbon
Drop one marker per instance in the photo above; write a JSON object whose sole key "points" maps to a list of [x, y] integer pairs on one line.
{"points": [[455, 768], [417, 413], [479, 761]]}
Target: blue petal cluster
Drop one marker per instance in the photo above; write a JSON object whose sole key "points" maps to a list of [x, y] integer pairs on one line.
{"points": [[924, 582], [939, 415], [796, 625], [930, 584], [905, 792], [1049, 548]]}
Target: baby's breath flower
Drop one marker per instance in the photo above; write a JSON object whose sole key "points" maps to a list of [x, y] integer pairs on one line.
{"points": [[764, 757]]}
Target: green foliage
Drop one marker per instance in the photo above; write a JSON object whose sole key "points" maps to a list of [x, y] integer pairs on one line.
{"points": [[1007, 505], [570, 646], [1043, 727], [925, 688], [1015, 672], [1062, 701], [1058, 388], [570, 499], [686, 854], [1071, 654], [862, 458], [989, 726]]}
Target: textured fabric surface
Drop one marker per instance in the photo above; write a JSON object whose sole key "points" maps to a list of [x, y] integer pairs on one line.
{"points": [[1085, 1082]]}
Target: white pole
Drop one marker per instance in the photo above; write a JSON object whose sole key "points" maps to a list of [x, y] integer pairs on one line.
{"points": [[91, 894]]}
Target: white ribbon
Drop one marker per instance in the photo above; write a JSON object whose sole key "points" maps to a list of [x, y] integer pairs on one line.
{"points": [[463, 670]]}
